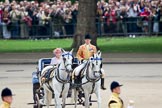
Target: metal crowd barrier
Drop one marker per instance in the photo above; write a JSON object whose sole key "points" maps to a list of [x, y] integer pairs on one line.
{"points": [[127, 27]]}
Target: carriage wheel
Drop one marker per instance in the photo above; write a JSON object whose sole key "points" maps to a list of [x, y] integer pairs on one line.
{"points": [[37, 101], [35, 90]]}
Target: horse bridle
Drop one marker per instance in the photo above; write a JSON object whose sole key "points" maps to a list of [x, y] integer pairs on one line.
{"points": [[57, 71], [57, 76], [68, 54], [96, 59]]}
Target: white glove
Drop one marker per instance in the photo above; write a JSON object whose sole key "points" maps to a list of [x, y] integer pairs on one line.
{"points": [[131, 104]]}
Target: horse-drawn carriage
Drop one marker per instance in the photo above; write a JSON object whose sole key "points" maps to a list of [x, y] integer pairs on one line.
{"points": [[60, 82]]}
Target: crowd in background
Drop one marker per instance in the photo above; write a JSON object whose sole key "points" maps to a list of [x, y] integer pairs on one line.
{"points": [[29, 18], [24, 19], [130, 16]]}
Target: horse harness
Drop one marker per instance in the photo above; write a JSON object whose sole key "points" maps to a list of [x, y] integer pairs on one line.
{"points": [[48, 76], [93, 81], [58, 78]]}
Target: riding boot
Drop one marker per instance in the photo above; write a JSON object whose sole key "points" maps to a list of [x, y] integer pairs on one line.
{"points": [[102, 84]]}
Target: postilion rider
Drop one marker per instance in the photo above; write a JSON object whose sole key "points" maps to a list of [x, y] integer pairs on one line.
{"points": [[86, 51]]}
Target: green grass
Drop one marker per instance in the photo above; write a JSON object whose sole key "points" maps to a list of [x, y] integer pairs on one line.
{"points": [[113, 45], [131, 45], [33, 45]]}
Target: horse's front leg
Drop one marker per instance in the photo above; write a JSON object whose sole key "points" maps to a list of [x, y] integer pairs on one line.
{"points": [[57, 91], [86, 103], [75, 97], [47, 97], [64, 95], [57, 99], [98, 95]]}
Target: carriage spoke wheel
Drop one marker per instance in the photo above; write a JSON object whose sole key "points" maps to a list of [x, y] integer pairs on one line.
{"points": [[37, 101]]}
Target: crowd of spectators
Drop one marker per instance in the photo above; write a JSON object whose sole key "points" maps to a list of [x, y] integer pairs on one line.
{"points": [[130, 16], [25, 19]]}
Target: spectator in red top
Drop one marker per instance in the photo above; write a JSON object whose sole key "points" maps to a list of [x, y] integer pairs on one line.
{"points": [[111, 16], [111, 19], [145, 14]]}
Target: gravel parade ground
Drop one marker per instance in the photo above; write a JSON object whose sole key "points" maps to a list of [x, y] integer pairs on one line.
{"points": [[142, 83]]}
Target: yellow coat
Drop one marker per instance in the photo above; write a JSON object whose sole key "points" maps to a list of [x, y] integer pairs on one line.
{"points": [[5, 105], [86, 51], [115, 101]]}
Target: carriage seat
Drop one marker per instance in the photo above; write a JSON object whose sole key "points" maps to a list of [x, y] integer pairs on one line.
{"points": [[43, 62]]}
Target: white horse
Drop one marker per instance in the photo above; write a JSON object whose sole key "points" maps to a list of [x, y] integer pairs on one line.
{"points": [[91, 73], [59, 84]]}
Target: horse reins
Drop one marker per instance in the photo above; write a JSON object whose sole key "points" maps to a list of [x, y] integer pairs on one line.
{"points": [[90, 79]]}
